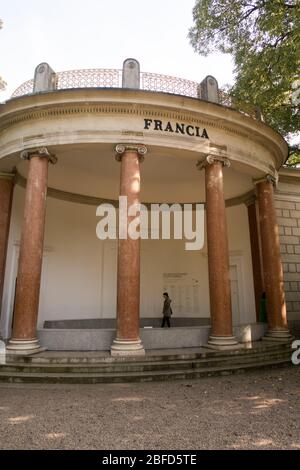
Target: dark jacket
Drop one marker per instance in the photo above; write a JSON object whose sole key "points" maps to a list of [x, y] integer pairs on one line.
{"points": [[167, 311]]}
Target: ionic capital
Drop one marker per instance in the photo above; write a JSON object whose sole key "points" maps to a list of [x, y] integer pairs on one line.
{"points": [[210, 159], [42, 152], [120, 149], [269, 178]]}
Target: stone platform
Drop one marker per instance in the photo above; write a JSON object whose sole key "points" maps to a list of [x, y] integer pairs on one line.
{"points": [[110, 323], [86, 339]]}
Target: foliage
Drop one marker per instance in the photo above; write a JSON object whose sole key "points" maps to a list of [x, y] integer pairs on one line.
{"points": [[294, 156], [263, 37]]}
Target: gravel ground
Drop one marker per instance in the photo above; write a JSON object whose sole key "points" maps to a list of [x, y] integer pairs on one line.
{"points": [[256, 410]]}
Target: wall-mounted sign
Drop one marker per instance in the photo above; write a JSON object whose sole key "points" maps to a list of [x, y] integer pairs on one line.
{"points": [[177, 128], [184, 290]]}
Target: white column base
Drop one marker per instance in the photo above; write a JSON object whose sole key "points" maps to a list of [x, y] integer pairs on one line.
{"points": [[222, 342], [278, 335], [127, 348], [23, 347]]}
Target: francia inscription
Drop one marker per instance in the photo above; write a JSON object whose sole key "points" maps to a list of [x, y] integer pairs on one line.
{"points": [[177, 128]]}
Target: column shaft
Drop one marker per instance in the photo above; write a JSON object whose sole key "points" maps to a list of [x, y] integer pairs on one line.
{"points": [[272, 267], [6, 195], [127, 340], [256, 258], [30, 258], [218, 258]]}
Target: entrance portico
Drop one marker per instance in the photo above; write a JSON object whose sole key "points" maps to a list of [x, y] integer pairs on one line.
{"points": [[82, 129]]}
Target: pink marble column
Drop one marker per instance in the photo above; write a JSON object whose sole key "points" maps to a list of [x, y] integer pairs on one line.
{"points": [[127, 340], [272, 267], [6, 195], [218, 256], [24, 339], [255, 254]]}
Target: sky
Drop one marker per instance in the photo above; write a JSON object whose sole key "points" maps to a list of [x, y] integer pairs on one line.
{"points": [[79, 34]]}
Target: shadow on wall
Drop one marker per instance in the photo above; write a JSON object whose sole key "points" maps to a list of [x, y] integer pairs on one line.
{"points": [[98, 323]]}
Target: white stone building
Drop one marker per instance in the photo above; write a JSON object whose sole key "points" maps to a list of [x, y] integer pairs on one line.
{"points": [[190, 142]]}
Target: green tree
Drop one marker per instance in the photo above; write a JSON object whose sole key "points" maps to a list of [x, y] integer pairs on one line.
{"points": [[2, 82], [263, 37]]}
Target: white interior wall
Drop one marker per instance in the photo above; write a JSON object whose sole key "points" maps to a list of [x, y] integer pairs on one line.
{"points": [[79, 270]]}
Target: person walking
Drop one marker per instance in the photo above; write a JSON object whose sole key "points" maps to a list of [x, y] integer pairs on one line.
{"points": [[167, 311]]}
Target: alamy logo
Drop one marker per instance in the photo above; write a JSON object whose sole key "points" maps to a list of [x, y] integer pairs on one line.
{"points": [[137, 221], [296, 354]]}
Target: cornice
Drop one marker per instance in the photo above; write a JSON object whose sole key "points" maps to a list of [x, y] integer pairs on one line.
{"points": [[292, 196], [247, 198], [96, 201], [67, 109], [247, 128], [289, 175], [7, 176]]}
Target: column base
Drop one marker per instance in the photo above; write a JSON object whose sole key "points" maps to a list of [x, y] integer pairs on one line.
{"points": [[222, 342], [124, 348], [278, 335], [23, 347]]}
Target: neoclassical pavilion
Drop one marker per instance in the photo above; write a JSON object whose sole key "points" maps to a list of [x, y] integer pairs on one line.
{"points": [[175, 141]]}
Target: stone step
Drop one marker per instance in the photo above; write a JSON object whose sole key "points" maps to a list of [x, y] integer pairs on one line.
{"points": [[100, 358], [145, 365], [145, 376]]}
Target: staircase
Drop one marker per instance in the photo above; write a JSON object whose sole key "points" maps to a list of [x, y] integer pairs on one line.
{"points": [[83, 368]]}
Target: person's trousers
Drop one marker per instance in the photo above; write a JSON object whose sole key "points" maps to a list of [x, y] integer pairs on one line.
{"points": [[166, 319]]}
